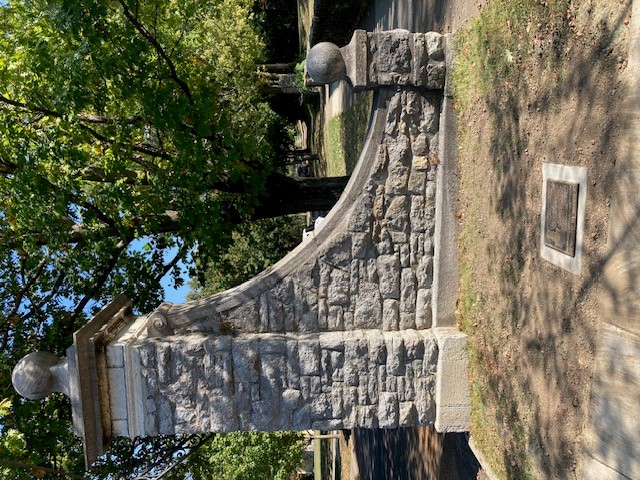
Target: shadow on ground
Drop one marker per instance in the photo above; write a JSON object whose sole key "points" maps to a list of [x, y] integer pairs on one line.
{"points": [[418, 453]]}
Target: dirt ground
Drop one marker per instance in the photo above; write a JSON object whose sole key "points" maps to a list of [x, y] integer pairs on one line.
{"points": [[533, 326]]}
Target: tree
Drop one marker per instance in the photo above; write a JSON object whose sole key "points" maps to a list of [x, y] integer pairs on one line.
{"points": [[246, 456], [131, 132], [255, 246]]}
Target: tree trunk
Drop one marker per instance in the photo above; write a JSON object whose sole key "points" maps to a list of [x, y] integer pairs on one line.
{"points": [[287, 195]]}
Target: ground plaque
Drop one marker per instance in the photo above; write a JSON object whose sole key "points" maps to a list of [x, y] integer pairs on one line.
{"points": [[564, 190], [561, 216]]}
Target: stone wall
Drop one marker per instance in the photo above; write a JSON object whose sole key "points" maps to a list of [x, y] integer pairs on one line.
{"points": [[336, 338], [333, 380], [376, 268]]}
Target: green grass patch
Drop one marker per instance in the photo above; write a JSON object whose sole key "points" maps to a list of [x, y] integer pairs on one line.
{"points": [[491, 51], [343, 137]]}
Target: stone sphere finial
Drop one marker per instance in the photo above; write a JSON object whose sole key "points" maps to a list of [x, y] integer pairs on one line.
{"points": [[325, 63], [38, 374]]}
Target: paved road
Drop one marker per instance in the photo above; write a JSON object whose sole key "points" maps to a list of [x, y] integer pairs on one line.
{"points": [[443, 16], [413, 454]]}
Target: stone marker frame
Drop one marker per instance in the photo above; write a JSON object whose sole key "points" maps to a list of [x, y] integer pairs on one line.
{"points": [[561, 183]]}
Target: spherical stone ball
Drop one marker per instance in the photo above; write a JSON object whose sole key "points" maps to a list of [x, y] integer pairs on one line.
{"points": [[32, 377], [325, 63]]}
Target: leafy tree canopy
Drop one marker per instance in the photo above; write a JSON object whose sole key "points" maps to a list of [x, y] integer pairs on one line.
{"points": [[131, 132]]}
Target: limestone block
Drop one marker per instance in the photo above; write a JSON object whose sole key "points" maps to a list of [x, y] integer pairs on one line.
{"points": [[265, 415], [423, 309], [309, 386], [413, 345], [368, 306], [164, 416], [397, 214], [337, 360], [338, 288], [396, 353], [388, 267], [407, 291], [163, 360], [407, 414], [301, 419], [222, 414], [309, 357], [115, 356], [335, 318], [354, 276], [388, 410], [453, 412], [245, 360], [366, 416], [390, 315], [263, 325], [120, 428], [293, 365], [117, 393], [377, 347]]}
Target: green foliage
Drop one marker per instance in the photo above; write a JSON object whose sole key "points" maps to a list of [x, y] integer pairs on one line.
{"points": [[247, 456], [255, 246], [344, 135], [131, 132]]}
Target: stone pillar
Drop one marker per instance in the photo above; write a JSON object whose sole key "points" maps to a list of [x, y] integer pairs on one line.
{"points": [[337, 334]]}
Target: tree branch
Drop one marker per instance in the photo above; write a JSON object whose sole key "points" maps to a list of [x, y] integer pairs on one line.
{"points": [[167, 268], [155, 44], [140, 148], [32, 279]]}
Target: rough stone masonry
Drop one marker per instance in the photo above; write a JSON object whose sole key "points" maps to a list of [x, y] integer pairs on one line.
{"points": [[344, 340], [338, 334]]}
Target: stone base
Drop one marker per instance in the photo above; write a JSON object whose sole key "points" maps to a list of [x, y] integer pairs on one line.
{"points": [[453, 406]]}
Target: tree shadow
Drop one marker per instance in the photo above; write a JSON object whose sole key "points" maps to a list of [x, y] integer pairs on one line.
{"points": [[413, 453], [551, 319]]}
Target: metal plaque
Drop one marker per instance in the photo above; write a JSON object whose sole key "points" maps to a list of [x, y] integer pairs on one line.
{"points": [[561, 216]]}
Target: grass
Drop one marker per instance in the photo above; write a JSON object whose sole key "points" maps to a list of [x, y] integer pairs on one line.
{"points": [[491, 52], [492, 55], [343, 137]]}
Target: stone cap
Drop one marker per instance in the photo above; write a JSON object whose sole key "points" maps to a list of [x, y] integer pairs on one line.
{"points": [[372, 60], [88, 384]]}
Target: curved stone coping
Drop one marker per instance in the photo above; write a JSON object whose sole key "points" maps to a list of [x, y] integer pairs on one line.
{"points": [[182, 314]]}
